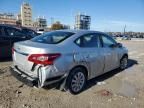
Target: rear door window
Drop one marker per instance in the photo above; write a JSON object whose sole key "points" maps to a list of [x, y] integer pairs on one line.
{"points": [[89, 40], [52, 37]]}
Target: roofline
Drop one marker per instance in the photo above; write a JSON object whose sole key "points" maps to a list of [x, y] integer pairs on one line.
{"points": [[78, 31], [15, 26]]}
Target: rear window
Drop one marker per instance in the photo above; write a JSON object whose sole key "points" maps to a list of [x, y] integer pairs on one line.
{"points": [[52, 37]]}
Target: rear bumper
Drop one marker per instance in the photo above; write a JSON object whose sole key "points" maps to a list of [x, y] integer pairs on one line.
{"points": [[21, 76], [30, 81]]}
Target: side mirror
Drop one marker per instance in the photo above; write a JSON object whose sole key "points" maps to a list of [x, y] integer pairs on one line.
{"points": [[113, 46], [119, 45]]}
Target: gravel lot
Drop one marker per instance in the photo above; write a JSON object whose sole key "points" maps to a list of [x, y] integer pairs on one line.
{"points": [[115, 89]]}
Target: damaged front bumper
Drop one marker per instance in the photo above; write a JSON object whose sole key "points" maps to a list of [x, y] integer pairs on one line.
{"points": [[31, 81]]}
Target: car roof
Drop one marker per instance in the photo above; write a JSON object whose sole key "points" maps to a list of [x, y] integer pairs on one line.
{"points": [[11, 26], [7, 25], [80, 31], [14, 26], [26, 28]]}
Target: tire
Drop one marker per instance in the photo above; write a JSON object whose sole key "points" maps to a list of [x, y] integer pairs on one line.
{"points": [[123, 63], [76, 80]]}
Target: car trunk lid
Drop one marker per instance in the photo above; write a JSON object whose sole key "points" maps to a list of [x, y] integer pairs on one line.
{"points": [[22, 51]]}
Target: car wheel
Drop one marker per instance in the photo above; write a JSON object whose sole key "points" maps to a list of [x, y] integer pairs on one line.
{"points": [[76, 80], [123, 63]]}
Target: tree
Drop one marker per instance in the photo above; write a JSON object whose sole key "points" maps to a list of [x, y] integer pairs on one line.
{"points": [[57, 26], [18, 23]]}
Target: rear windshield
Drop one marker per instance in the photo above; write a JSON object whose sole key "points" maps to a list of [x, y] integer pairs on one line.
{"points": [[52, 37]]}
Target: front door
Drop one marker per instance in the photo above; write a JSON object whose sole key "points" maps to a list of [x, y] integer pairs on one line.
{"points": [[110, 53]]}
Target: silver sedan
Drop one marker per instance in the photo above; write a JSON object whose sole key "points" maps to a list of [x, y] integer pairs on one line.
{"points": [[69, 56]]}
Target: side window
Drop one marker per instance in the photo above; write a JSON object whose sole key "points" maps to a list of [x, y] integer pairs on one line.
{"points": [[13, 32], [18, 33], [107, 41], [89, 40], [29, 32], [9, 31]]}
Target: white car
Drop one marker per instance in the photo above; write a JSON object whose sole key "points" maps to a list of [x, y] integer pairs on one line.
{"points": [[126, 37], [72, 57], [40, 32]]}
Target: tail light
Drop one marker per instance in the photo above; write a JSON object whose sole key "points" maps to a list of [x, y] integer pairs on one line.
{"points": [[45, 59]]}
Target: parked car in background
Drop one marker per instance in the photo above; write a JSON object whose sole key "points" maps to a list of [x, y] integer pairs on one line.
{"points": [[125, 37], [72, 57], [114, 37], [8, 36], [40, 31], [29, 32]]}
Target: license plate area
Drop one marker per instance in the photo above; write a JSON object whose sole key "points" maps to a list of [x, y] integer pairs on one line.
{"points": [[20, 60]]}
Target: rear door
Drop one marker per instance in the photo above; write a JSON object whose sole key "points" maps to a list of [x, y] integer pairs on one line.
{"points": [[5, 43], [91, 53], [110, 53]]}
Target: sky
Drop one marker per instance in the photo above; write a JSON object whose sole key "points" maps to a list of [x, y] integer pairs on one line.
{"points": [[106, 15]]}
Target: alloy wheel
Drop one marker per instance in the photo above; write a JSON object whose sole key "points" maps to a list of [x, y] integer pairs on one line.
{"points": [[78, 81], [123, 63]]}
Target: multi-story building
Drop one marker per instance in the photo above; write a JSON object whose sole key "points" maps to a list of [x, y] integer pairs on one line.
{"points": [[40, 22], [82, 21], [7, 18], [26, 15]]}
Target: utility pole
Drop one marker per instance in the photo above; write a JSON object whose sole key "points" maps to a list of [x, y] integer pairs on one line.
{"points": [[52, 21], [124, 29]]}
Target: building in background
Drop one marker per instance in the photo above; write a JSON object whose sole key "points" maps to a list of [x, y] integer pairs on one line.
{"points": [[66, 26], [19, 21], [26, 15], [82, 21], [7, 18], [19, 16], [40, 23]]}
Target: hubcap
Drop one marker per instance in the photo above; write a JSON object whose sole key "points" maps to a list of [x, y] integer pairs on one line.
{"points": [[77, 81], [124, 63]]}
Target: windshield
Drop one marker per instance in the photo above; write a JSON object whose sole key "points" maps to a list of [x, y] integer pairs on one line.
{"points": [[52, 37]]}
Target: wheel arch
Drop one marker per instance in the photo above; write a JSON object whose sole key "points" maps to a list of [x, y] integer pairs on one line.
{"points": [[124, 55], [83, 67]]}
